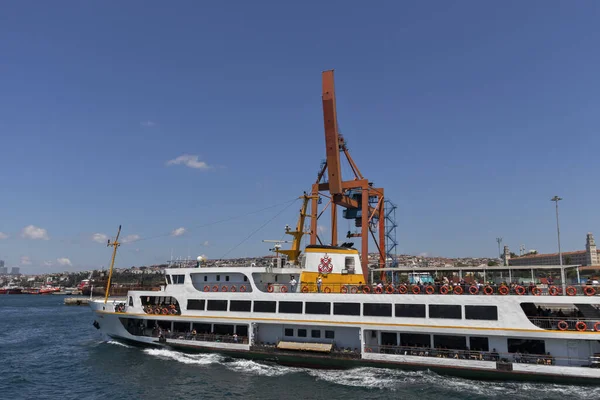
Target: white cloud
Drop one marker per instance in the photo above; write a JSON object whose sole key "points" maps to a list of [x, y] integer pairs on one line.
{"points": [[424, 254], [178, 231], [99, 237], [25, 260], [34, 232], [64, 262], [206, 243], [3, 236], [148, 124], [321, 229], [130, 238], [189, 161], [48, 263]]}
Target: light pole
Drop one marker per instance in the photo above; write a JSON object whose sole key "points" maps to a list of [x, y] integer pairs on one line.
{"points": [[556, 199], [499, 240]]}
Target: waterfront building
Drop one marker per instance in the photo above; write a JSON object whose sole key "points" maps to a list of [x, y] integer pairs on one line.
{"points": [[15, 271], [586, 257]]}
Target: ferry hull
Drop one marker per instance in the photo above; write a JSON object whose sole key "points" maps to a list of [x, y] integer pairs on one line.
{"points": [[481, 370]]}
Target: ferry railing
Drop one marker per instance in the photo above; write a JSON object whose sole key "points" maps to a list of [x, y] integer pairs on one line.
{"points": [[557, 323], [478, 355], [428, 289]]}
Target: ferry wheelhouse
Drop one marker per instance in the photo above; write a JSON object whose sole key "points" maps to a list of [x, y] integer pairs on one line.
{"points": [[479, 322]]}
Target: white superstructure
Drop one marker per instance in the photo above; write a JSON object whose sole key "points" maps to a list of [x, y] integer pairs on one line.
{"points": [[324, 313]]}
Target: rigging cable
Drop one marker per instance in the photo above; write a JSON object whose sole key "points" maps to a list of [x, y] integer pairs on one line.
{"points": [[289, 202], [258, 229]]}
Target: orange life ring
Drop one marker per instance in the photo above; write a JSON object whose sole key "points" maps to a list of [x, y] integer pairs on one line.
{"points": [[353, 290], [283, 289], [233, 289], [429, 289], [206, 288], [165, 311], [215, 288], [562, 325], [488, 290], [473, 289], [389, 289], [536, 291], [366, 290], [402, 289], [270, 288], [327, 289], [553, 290], [305, 289], [503, 290], [157, 310], [571, 291], [520, 290], [223, 288], [344, 289], [581, 326], [597, 326], [378, 290], [443, 289], [589, 291], [242, 288], [173, 312], [172, 306], [458, 290], [416, 289]]}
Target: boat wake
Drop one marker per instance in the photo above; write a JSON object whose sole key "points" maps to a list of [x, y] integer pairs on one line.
{"points": [[114, 342], [388, 379]]}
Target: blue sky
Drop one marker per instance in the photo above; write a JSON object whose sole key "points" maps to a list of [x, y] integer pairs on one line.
{"points": [[472, 115]]}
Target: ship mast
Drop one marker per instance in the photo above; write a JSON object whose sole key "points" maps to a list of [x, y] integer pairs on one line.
{"points": [[114, 244]]}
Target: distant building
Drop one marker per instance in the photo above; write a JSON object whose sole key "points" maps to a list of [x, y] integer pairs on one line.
{"points": [[15, 271], [3, 269], [586, 257]]}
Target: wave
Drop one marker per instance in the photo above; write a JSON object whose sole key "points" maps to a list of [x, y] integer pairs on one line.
{"points": [[389, 379], [116, 343]]}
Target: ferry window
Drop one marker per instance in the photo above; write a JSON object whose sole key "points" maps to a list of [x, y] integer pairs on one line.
{"points": [[288, 332], [241, 330], [226, 278], [264, 306], [131, 301], [482, 312], [479, 343], [346, 308], [410, 310], [301, 332], [223, 329], [168, 279], [349, 263], [329, 335], [205, 278], [240, 305], [218, 278], [178, 279], [445, 311], [245, 278], [217, 305], [377, 310], [315, 333], [195, 305], [450, 342], [415, 340], [314, 307], [526, 346], [290, 307]]}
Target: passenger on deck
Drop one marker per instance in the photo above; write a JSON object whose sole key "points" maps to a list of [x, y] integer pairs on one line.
{"points": [[319, 283], [293, 284]]}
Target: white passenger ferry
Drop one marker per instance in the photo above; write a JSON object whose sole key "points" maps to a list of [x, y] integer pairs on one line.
{"points": [[323, 313]]}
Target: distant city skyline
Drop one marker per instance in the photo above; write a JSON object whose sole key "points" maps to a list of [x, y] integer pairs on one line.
{"points": [[471, 115]]}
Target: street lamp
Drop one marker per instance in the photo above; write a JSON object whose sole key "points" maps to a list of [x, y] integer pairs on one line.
{"points": [[556, 199]]}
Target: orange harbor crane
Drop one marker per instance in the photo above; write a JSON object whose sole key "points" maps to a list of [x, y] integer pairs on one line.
{"points": [[359, 199]]}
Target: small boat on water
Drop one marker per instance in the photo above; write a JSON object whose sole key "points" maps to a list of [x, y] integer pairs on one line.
{"points": [[11, 290]]}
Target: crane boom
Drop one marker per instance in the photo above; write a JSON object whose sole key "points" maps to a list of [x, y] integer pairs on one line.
{"points": [[332, 137]]}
